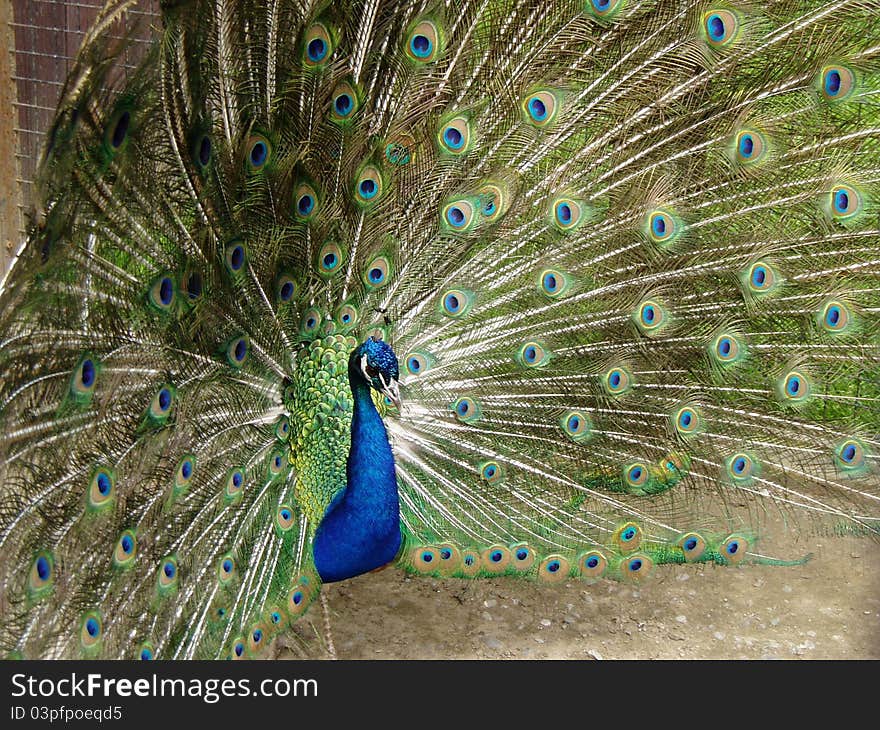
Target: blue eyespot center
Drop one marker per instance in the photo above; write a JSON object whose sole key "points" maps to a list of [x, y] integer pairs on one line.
{"points": [[367, 188], [420, 45], [715, 26], [537, 109], [759, 276], [305, 204], [833, 316], [635, 565], [103, 484], [376, 275], [550, 282], [463, 408], [724, 346], [343, 104], [297, 598], [452, 303], [563, 213], [522, 554], [746, 146], [317, 49], [794, 385], [496, 556], [258, 635], [240, 350], [120, 131], [553, 566], [453, 137], [227, 566], [690, 544], [259, 153], [127, 544], [739, 465], [239, 650], [169, 570], [841, 201], [146, 655], [832, 82], [469, 560], [164, 399], [614, 379], [733, 547], [236, 258], [456, 216], [658, 224], [592, 561], [186, 469], [205, 151], [286, 291], [92, 627], [166, 291], [445, 554], [329, 261], [43, 568], [236, 479], [87, 373], [848, 454], [630, 532], [285, 515]]}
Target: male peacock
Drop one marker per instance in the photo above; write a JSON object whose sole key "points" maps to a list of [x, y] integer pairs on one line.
{"points": [[539, 288]]}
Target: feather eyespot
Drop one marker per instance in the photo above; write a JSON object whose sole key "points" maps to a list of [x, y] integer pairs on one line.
{"points": [[162, 293], [636, 567], [491, 472], [650, 316], [454, 136], [311, 320], [577, 426], [235, 257], [101, 489], [541, 108], [330, 259], [692, 545], [836, 82], [458, 216], [554, 569], [285, 289], [721, 27], [423, 42], [84, 379], [734, 548], [344, 103], [835, 316], [795, 387], [91, 630], [259, 151], [118, 131], [237, 351], [466, 410], [850, 456], [377, 273], [846, 202], [125, 551], [318, 45], [592, 564], [687, 421], [226, 569], [663, 227], [347, 316], [532, 355], [567, 214], [369, 186], [617, 381], [455, 302], [305, 201], [750, 147], [741, 468], [42, 574], [605, 9], [233, 485], [167, 578]]}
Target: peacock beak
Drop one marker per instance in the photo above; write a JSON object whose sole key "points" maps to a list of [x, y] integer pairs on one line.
{"points": [[390, 390]]}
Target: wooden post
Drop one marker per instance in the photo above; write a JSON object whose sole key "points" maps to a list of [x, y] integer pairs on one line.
{"points": [[10, 193]]}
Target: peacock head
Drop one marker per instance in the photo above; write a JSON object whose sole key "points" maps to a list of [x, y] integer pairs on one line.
{"points": [[376, 363]]}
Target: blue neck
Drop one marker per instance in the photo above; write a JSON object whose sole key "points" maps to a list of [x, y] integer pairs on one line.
{"points": [[361, 527]]}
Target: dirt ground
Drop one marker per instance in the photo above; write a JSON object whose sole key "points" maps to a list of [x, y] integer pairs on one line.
{"points": [[828, 608]]}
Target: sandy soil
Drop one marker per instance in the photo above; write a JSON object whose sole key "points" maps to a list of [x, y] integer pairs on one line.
{"points": [[828, 608]]}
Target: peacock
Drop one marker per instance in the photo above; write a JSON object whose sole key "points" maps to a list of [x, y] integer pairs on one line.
{"points": [[546, 289]]}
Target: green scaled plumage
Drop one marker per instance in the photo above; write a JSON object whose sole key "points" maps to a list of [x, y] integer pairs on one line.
{"points": [[626, 252]]}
